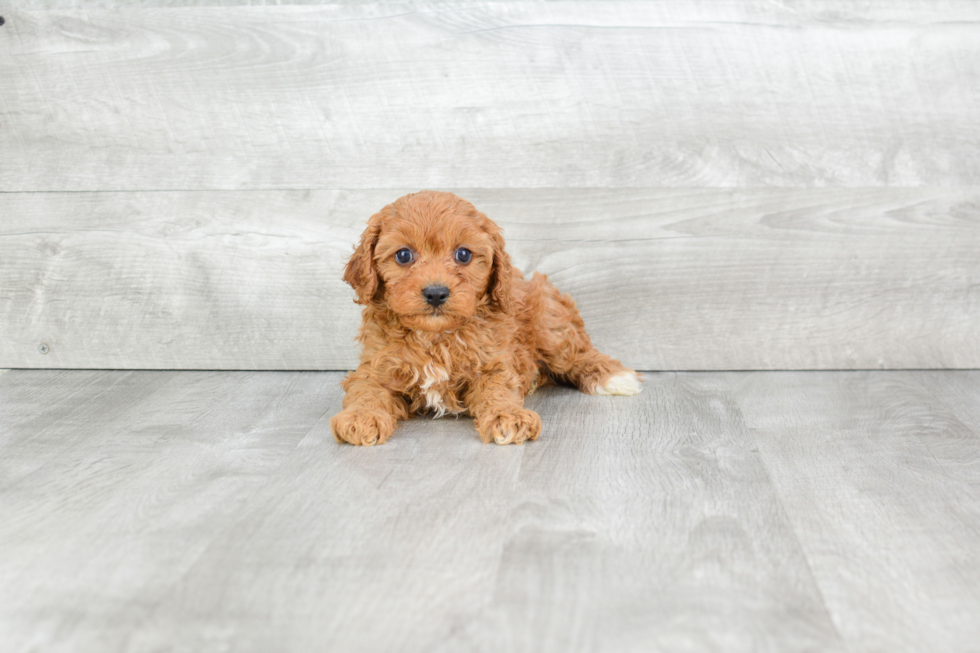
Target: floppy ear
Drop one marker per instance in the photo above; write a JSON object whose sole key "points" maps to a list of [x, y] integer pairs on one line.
{"points": [[361, 272], [498, 287]]}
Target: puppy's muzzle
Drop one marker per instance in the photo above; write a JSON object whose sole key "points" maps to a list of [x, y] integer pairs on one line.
{"points": [[435, 295]]}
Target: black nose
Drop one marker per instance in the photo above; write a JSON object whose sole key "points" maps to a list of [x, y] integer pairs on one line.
{"points": [[435, 295]]}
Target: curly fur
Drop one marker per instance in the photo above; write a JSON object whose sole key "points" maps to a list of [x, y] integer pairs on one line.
{"points": [[497, 337]]}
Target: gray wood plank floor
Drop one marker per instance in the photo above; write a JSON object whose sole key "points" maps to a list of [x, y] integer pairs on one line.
{"points": [[765, 511]]}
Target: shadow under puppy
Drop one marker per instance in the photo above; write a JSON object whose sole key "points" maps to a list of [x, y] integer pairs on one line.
{"points": [[450, 326]]}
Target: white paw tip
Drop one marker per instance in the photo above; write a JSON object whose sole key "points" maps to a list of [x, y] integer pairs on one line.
{"points": [[624, 383]]}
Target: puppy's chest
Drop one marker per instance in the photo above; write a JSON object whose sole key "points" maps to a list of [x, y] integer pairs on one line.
{"points": [[436, 389], [437, 378]]}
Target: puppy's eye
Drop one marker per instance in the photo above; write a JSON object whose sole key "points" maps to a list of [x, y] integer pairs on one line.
{"points": [[404, 256], [463, 255]]}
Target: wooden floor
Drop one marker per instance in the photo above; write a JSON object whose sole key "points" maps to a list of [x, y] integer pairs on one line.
{"points": [[213, 511]]}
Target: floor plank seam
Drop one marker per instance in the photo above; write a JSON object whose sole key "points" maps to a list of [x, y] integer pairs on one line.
{"points": [[796, 536]]}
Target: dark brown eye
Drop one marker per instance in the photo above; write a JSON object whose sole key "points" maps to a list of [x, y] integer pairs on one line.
{"points": [[404, 256], [463, 255]]}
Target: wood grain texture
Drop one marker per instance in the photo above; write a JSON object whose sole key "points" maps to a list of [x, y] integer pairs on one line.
{"points": [[715, 511], [219, 513], [353, 549], [880, 475], [535, 94], [114, 485], [651, 525], [666, 279]]}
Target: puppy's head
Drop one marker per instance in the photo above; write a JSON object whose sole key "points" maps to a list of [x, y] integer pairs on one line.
{"points": [[433, 259]]}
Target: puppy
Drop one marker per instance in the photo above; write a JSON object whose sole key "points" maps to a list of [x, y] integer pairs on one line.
{"points": [[450, 326]]}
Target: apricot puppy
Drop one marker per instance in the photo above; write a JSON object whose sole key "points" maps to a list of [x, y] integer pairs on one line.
{"points": [[450, 326]]}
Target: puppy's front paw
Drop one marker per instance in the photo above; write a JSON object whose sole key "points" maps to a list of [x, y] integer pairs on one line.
{"points": [[363, 427], [621, 383], [510, 426]]}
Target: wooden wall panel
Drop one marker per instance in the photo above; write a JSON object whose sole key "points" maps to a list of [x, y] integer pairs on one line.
{"points": [[721, 185], [665, 278], [505, 94]]}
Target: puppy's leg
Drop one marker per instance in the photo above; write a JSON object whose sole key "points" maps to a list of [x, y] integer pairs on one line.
{"points": [[370, 411], [497, 405], [567, 349]]}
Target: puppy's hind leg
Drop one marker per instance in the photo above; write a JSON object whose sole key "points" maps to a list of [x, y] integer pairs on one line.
{"points": [[567, 349]]}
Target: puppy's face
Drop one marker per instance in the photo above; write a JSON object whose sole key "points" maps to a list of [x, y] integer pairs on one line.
{"points": [[433, 259]]}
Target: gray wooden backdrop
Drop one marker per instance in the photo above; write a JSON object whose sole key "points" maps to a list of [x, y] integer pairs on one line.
{"points": [[720, 185]]}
